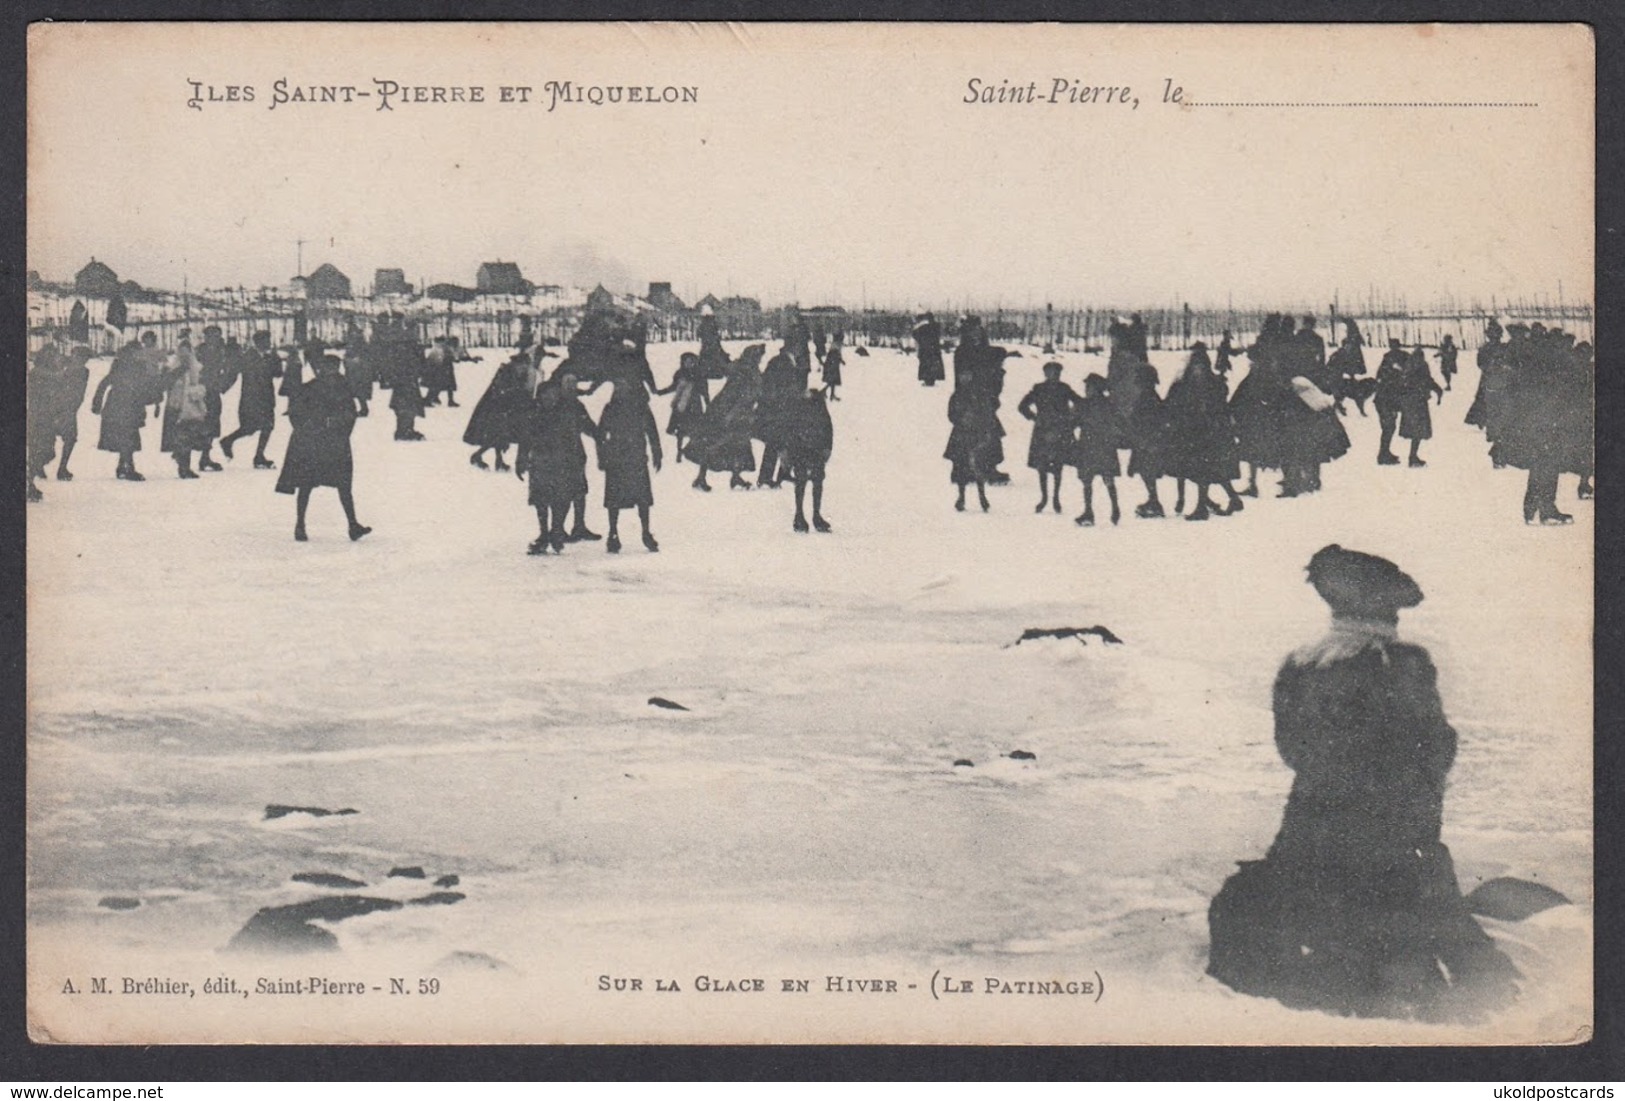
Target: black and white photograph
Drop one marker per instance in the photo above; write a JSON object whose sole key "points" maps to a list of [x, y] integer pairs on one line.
{"points": [[682, 533]]}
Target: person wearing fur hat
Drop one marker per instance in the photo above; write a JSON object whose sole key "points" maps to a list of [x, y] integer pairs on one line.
{"points": [[1355, 909]]}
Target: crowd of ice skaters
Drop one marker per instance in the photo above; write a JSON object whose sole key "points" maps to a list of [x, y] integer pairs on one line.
{"points": [[1534, 403]]}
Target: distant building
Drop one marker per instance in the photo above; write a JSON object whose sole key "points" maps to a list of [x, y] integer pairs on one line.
{"points": [[325, 282], [390, 281], [736, 316], [501, 277], [96, 280], [662, 299], [450, 292]]}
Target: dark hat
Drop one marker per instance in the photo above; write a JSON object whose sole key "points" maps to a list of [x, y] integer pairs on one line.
{"points": [[1054, 364], [1361, 584], [1096, 383]]}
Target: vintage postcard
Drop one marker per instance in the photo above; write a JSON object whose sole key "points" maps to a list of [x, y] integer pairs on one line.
{"points": [[818, 533]]}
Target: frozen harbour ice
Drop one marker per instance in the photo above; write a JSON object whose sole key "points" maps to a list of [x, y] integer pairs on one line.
{"points": [[487, 715]]}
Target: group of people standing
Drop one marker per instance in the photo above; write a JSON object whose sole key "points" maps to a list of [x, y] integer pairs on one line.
{"points": [[1536, 403]]}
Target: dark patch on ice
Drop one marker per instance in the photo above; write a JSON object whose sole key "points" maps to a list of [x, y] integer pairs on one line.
{"points": [[280, 810], [861, 351], [669, 705], [1080, 633], [268, 931], [119, 902], [1022, 755], [288, 928], [964, 763], [327, 879], [415, 871], [438, 898], [447, 881], [471, 961], [1508, 899]]}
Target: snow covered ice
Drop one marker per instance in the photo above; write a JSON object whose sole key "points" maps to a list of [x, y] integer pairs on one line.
{"points": [[487, 714]]}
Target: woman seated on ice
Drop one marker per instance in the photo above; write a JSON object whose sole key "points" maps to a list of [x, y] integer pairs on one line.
{"points": [[1355, 910]]}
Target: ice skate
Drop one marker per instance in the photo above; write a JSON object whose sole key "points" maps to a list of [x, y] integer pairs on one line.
{"points": [[476, 460], [821, 525], [225, 447], [64, 476], [262, 463], [1087, 520], [358, 530], [299, 535], [801, 524], [209, 465], [649, 543], [613, 546], [538, 546]]}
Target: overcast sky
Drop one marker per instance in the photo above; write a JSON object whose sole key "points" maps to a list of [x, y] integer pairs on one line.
{"points": [[830, 163]]}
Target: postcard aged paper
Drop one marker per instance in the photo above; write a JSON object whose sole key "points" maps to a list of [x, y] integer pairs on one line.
{"points": [[872, 749]]}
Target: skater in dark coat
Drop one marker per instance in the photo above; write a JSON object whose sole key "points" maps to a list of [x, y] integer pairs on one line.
{"points": [[1542, 429], [1415, 420], [713, 359], [405, 391], [1389, 397], [496, 420], [724, 438], [439, 373], [972, 439], [186, 408], [323, 413], [121, 399], [1356, 908], [1489, 408], [1223, 355], [1201, 441], [256, 403], [782, 384], [628, 441], [832, 361], [1447, 359], [1148, 436], [551, 453], [928, 348], [690, 394], [219, 375], [360, 367], [1052, 406], [810, 439], [1100, 436]]}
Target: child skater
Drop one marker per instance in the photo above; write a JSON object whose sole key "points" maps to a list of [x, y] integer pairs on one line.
{"points": [[833, 361], [1099, 436], [1052, 407], [970, 443], [628, 440], [810, 439]]}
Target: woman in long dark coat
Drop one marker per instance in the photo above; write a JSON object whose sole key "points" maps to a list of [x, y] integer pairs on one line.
{"points": [[833, 360], [495, 421], [1052, 406], [1415, 420], [256, 402], [1201, 441], [405, 392], [724, 439], [121, 399], [628, 441], [1356, 909], [928, 347], [323, 412]]}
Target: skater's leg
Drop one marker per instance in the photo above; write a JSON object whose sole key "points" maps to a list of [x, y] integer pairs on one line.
{"points": [[1111, 493], [502, 457], [613, 546], [63, 474], [301, 503], [800, 523], [1043, 490], [819, 523]]}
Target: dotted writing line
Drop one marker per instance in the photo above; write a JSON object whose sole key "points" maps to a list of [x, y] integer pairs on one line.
{"points": [[1355, 103]]}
